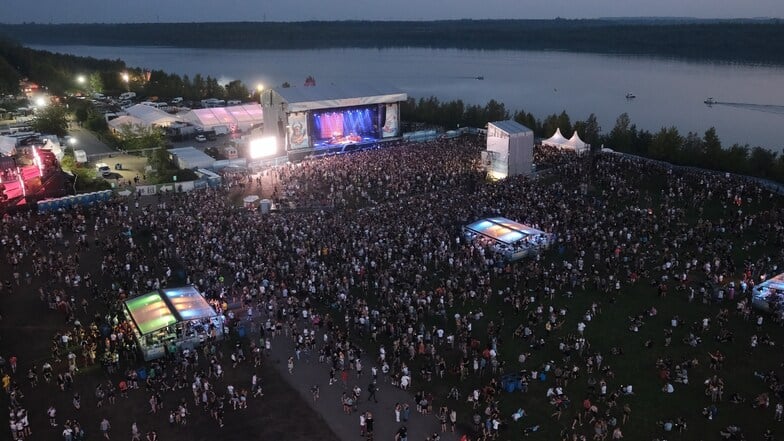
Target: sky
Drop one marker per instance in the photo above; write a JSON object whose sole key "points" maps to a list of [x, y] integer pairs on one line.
{"points": [[150, 11]]}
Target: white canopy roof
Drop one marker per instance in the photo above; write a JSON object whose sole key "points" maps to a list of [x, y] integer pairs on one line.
{"points": [[556, 140], [243, 116], [125, 120], [578, 143], [150, 116], [575, 143], [7, 146]]}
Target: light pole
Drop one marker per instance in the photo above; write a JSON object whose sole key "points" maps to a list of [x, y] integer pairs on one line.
{"points": [[259, 89], [127, 79]]}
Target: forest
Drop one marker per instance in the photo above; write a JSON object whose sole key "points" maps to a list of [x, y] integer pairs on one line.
{"points": [[60, 73], [755, 41]]}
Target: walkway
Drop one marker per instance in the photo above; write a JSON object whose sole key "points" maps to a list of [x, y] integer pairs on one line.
{"points": [[308, 373]]}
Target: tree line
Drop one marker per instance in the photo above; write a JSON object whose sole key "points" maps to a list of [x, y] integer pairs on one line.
{"points": [[758, 41], [666, 144], [60, 73]]}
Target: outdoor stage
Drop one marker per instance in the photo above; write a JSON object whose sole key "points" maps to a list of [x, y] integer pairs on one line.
{"points": [[331, 119]]}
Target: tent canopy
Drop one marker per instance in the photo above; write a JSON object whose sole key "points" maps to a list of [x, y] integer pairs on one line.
{"points": [[503, 230], [7, 146], [188, 304], [558, 140], [158, 309], [243, 117], [150, 312], [150, 116]]}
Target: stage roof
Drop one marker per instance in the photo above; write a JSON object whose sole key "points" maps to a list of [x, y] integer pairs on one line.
{"points": [[330, 95], [511, 127], [502, 229], [150, 312], [159, 309]]}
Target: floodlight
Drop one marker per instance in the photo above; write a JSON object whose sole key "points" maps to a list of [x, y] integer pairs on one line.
{"points": [[262, 147], [40, 101]]}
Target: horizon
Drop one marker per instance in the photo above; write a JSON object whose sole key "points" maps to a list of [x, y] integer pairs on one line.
{"points": [[412, 20], [209, 11]]}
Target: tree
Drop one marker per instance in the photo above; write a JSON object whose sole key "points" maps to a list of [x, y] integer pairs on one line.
{"points": [[565, 124], [712, 148], [95, 83], [620, 137], [591, 130], [235, 90], [666, 144], [52, 119], [138, 138]]}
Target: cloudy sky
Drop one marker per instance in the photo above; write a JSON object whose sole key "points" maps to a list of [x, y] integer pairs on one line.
{"points": [[123, 11]]}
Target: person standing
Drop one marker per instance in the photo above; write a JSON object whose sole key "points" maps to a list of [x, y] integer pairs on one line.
{"points": [[136, 435], [105, 427], [372, 390], [369, 425], [52, 414]]}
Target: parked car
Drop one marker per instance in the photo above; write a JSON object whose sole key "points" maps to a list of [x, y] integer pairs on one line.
{"points": [[103, 169], [201, 138]]}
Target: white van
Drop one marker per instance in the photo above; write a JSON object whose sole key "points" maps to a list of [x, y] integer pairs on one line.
{"points": [[177, 100]]}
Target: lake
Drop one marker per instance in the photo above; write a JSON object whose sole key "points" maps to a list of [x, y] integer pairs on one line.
{"points": [[669, 92]]}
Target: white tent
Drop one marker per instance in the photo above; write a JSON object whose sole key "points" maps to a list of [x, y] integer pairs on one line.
{"points": [[557, 140], [150, 116], [7, 146], [116, 124], [577, 144], [574, 144], [242, 117]]}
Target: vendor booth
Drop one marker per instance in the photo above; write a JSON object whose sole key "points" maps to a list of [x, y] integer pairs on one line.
{"points": [[507, 237], [172, 319], [769, 295]]}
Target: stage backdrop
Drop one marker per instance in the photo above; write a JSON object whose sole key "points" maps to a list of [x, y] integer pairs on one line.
{"points": [[298, 131]]}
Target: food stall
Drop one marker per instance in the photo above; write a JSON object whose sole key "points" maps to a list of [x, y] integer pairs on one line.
{"points": [[172, 319], [769, 295], [508, 238]]}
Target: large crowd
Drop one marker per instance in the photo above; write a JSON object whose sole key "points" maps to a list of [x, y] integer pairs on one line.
{"points": [[383, 278]]}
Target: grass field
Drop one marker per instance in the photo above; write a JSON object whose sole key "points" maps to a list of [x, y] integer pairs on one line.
{"points": [[637, 364]]}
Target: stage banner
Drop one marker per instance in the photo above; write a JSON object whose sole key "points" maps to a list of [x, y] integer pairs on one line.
{"points": [[390, 129], [298, 131]]}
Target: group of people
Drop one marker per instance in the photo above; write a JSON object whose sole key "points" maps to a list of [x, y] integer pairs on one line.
{"points": [[386, 272]]}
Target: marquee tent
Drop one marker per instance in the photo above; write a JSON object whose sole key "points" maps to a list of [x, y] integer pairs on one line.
{"points": [[511, 239], [7, 146], [577, 144], [574, 144], [242, 118], [141, 116]]}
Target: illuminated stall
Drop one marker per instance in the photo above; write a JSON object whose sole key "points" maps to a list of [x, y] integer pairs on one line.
{"points": [[507, 237], [769, 295], [172, 319]]}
